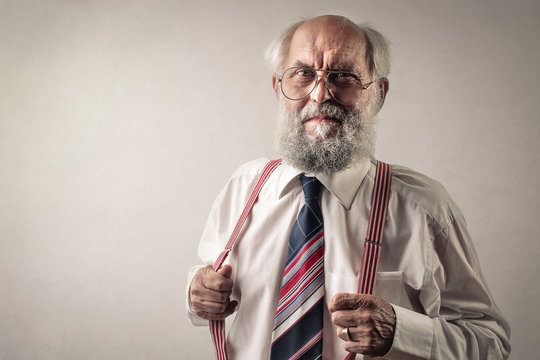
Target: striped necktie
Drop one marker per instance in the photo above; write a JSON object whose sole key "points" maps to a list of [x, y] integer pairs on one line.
{"points": [[298, 324]]}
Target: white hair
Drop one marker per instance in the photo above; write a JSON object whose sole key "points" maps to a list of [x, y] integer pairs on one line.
{"points": [[279, 47], [378, 50]]}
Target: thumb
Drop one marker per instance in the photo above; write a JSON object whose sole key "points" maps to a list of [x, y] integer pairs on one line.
{"points": [[226, 271]]}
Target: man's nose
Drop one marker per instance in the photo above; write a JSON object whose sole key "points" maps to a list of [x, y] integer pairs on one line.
{"points": [[321, 94]]}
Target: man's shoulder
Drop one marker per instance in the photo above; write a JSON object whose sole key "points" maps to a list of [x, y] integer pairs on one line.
{"points": [[425, 192], [250, 170], [247, 174], [417, 184]]}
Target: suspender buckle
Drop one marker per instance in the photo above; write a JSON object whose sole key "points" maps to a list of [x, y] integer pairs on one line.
{"points": [[367, 241]]}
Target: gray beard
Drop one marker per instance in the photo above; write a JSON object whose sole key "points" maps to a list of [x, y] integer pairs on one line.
{"points": [[354, 140]]}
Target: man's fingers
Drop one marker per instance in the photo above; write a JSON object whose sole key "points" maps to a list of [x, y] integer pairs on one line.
{"points": [[202, 305], [216, 281], [343, 301], [198, 290], [210, 292], [218, 316], [370, 321], [226, 271], [348, 318], [363, 346], [347, 301]]}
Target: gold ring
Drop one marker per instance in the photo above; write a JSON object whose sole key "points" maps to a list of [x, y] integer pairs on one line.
{"points": [[345, 335]]}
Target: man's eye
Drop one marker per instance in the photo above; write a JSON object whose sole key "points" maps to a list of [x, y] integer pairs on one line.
{"points": [[345, 76], [304, 73]]}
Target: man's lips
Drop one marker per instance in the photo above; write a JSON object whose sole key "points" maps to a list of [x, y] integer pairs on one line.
{"points": [[320, 119]]}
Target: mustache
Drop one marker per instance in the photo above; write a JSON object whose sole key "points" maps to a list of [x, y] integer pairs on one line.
{"points": [[334, 111]]}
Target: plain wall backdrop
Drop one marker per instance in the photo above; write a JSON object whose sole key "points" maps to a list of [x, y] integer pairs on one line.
{"points": [[121, 120]]}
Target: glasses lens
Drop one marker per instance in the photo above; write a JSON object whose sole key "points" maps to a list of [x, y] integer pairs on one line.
{"points": [[345, 87], [297, 83]]}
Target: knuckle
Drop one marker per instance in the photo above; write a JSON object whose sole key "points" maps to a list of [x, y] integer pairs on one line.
{"points": [[195, 291], [368, 302], [223, 297], [220, 286], [364, 333], [195, 304], [221, 308], [364, 317], [344, 299], [225, 284], [200, 313]]}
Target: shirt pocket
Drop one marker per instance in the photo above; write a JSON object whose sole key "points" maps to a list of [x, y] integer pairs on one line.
{"points": [[390, 286]]}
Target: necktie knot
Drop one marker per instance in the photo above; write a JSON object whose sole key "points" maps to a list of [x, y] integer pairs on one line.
{"points": [[311, 186]]}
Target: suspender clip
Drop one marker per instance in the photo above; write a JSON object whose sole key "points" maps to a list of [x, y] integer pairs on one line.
{"points": [[372, 242]]}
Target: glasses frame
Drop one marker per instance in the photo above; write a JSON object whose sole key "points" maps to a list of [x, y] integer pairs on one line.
{"points": [[328, 72]]}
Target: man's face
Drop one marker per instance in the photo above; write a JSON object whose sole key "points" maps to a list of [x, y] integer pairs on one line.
{"points": [[317, 134], [324, 44]]}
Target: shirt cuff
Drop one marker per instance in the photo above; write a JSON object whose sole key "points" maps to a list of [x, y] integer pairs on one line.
{"points": [[195, 320], [413, 335]]}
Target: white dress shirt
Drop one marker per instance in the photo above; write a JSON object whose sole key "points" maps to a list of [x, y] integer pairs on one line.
{"points": [[428, 271]]}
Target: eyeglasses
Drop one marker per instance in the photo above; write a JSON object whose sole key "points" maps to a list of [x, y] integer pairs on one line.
{"points": [[344, 87]]}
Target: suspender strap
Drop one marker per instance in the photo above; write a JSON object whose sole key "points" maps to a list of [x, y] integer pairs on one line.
{"points": [[377, 215], [217, 327], [374, 236]]}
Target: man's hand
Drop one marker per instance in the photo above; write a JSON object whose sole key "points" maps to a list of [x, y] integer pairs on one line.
{"points": [[210, 293], [370, 319]]}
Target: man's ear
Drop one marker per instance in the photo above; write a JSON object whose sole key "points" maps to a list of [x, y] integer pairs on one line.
{"points": [[275, 85], [384, 86]]}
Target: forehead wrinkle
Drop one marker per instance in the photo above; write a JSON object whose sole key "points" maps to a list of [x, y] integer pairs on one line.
{"points": [[327, 49]]}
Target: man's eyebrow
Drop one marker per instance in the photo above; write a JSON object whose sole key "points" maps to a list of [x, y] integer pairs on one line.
{"points": [[299, 63], [342, 67], [347, 67]]}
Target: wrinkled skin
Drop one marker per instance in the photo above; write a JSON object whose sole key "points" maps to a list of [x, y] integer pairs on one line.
{"points": [[370, 319]]}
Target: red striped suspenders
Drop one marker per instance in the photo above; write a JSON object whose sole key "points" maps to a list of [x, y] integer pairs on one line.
{"points": [[377, 215], [372, 244], [217, 327], [374, 235]]}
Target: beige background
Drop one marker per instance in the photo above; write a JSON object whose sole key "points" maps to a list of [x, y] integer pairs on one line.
{"points": [[120, 121]]}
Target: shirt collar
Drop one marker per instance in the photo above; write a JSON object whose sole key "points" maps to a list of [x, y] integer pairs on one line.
{"points": [[343, 185]]}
